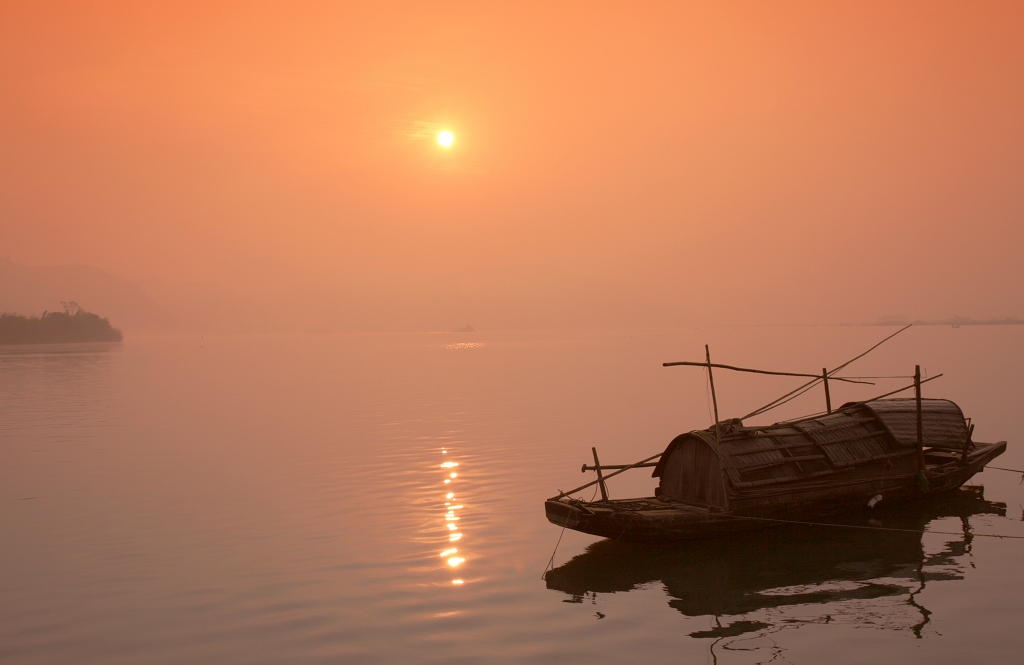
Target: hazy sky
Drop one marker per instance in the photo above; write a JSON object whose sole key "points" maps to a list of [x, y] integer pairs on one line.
{"points": [[613, 164]]}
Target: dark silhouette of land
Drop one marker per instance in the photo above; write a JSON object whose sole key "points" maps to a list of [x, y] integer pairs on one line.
{"points": [[31, 289], [74, 324]]}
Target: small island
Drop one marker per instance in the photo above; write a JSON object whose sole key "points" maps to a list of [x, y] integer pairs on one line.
{"points": [[74, 324]]}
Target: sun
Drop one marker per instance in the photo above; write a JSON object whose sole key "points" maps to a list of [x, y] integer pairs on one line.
{"points": [[446, 139]]}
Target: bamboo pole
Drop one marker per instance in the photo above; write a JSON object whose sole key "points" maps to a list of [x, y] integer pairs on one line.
{"points": [[828, 397], [967, 445], [600, 476], [870, 399], [688, 363], [899, 390], [606, 467], [718, 430], [714, 399], [610, 475], [920, 420], [798, 391]]}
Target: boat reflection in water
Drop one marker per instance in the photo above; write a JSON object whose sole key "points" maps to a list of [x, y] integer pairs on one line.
{"points": [[754, 583]]}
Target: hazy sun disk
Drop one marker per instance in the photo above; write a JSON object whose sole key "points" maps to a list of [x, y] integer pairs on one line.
{"points": [[446, 139]]}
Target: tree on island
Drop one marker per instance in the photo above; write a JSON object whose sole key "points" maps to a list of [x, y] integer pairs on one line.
{"points": [[74, 324]]}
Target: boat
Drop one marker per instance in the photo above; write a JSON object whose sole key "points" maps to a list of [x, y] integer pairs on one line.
{"points": [[731, 477], [797, 568]]}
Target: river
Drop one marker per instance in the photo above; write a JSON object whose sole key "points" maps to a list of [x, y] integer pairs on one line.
{"points": [[379, 499]]}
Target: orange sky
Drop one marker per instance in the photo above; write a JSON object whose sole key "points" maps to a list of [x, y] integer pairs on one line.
{"points": [[613, 165]]}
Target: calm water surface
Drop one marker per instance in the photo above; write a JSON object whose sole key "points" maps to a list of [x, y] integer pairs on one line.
{"points": [[301, 499]]}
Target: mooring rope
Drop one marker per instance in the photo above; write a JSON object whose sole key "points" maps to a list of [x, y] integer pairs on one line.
{"points": [[551, 561], [870, 528], [999, 468]]}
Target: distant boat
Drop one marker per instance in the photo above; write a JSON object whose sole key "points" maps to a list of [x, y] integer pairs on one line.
{"points": [[468, 328], [730, 478]]}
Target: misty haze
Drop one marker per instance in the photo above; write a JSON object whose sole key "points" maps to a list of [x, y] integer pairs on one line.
{"points": [[310, 313]]}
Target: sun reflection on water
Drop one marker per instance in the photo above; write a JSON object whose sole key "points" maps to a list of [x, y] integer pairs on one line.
{"points": [[450, 518]]}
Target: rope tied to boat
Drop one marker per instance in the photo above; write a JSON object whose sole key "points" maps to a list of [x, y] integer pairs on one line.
{"points": [[999, 468], [869, 528], [551, 561]]}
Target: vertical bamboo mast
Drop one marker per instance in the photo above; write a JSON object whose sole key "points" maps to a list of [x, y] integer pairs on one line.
{"points": [[714, 399], [920, 422], [718, 431], [600, 476], [828, 397], [967, 444]]}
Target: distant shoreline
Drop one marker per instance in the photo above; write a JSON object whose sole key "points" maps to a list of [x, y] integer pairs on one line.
{"points": [[954, 322], [72, 325]]}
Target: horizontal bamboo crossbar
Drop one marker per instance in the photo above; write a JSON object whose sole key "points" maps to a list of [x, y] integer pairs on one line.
{"points": [[610, 475], [688, 363], [616, 466]]}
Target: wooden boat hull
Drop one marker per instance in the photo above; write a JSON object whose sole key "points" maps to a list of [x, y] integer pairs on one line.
{"points": [[654, 520]]}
